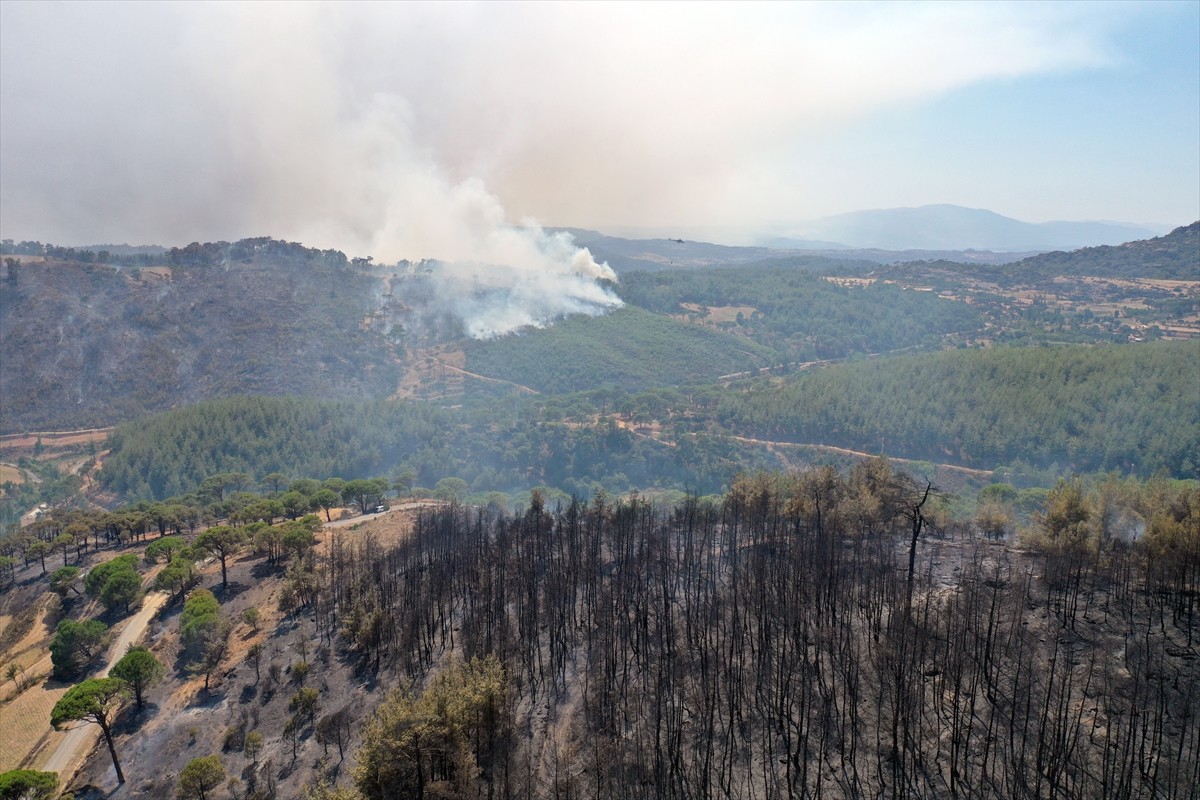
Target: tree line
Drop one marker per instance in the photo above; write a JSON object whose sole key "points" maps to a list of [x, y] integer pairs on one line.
{"points": [[508, 447], [630, 348], [805, 317]]}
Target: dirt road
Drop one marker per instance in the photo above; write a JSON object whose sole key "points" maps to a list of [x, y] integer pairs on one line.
{"points": [[81, 738], [828, 448], [346, 523], [462, 371], [54, 438]]}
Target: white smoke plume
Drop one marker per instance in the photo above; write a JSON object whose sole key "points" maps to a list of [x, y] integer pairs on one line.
{"points": [[259, 128], [433, 130], [388, 194], [537, 278]]}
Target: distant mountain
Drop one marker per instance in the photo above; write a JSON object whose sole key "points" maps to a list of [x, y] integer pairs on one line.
{"points": [[650, 255], [950, 227], [625, 255]]}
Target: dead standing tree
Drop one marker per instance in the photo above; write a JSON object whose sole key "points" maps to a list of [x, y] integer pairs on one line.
{"points": [[912, 510]]}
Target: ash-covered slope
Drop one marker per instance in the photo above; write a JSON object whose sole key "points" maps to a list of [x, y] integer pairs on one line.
{"points": [[88, 345]]}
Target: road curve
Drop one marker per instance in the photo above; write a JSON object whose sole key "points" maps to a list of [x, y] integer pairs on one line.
{"points": [[82, 737]]}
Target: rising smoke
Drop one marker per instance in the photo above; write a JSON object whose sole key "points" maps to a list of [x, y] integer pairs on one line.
{"points": [[545, 277], [492, 278], [391, 129], [357, 158], [261, 124]]}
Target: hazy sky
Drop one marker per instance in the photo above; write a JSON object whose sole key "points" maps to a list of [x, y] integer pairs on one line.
{"points": [[404, 129]]}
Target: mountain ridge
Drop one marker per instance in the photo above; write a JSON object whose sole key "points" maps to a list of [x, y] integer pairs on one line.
{"points": [[946, 226]]}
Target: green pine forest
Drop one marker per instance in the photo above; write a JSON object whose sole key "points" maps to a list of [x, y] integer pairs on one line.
{"points": [[631, 348], [1125, 408], [915, 361], [1128, 409], [806, 317]]}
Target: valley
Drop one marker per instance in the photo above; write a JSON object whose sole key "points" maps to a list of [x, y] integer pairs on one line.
{"points": [[591, 558], [599, 401]]}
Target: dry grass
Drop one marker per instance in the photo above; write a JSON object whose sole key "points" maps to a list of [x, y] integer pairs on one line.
{"points": [[1132, 283], [25, 715], [426, 370], [36, 666], [10, 473], [53, 439], [26, 629], [842, 280], [26, 722], [25, 733], [719, 314], [387, 529]]}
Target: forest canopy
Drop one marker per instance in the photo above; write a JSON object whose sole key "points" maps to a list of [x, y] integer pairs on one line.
{"points": [[1130, 408], [804, 316]]}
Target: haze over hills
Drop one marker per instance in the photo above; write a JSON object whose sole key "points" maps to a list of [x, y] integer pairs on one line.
{"points": [[796, 361], [266, 317], [1175, 255], [87, 344], [676, 252], [724, 494], [951, 227], [882, 236]]}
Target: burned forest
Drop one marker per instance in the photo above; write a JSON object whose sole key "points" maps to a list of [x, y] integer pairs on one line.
{"points": [[815, 635], [599, 401]]}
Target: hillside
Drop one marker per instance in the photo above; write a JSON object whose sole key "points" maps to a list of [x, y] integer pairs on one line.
{"points": [[1175, 256], [630, 348], [804, 316], [507, 446], [262, 317], [87, 345], [819, 632], [656, 254], [1130, 408]]}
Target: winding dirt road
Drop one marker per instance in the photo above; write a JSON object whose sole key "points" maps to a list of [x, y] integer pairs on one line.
{"points": [[462, 371], [82, 737], [977, 473]]}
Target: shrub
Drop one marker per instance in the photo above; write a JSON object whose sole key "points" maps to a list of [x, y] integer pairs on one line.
{"points": [[200, 777]]}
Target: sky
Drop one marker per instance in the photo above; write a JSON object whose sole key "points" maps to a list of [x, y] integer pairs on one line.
{"points": [[412, 130]]}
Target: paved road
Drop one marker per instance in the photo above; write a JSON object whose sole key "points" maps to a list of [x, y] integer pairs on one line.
{"points": [[82, 737]]}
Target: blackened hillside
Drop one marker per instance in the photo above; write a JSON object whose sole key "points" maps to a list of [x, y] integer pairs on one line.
{"points": [[87, 344]]}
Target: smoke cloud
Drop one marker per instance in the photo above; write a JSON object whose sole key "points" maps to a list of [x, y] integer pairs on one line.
{"points": [[261, 127], [538, 278], [440, 131]]}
